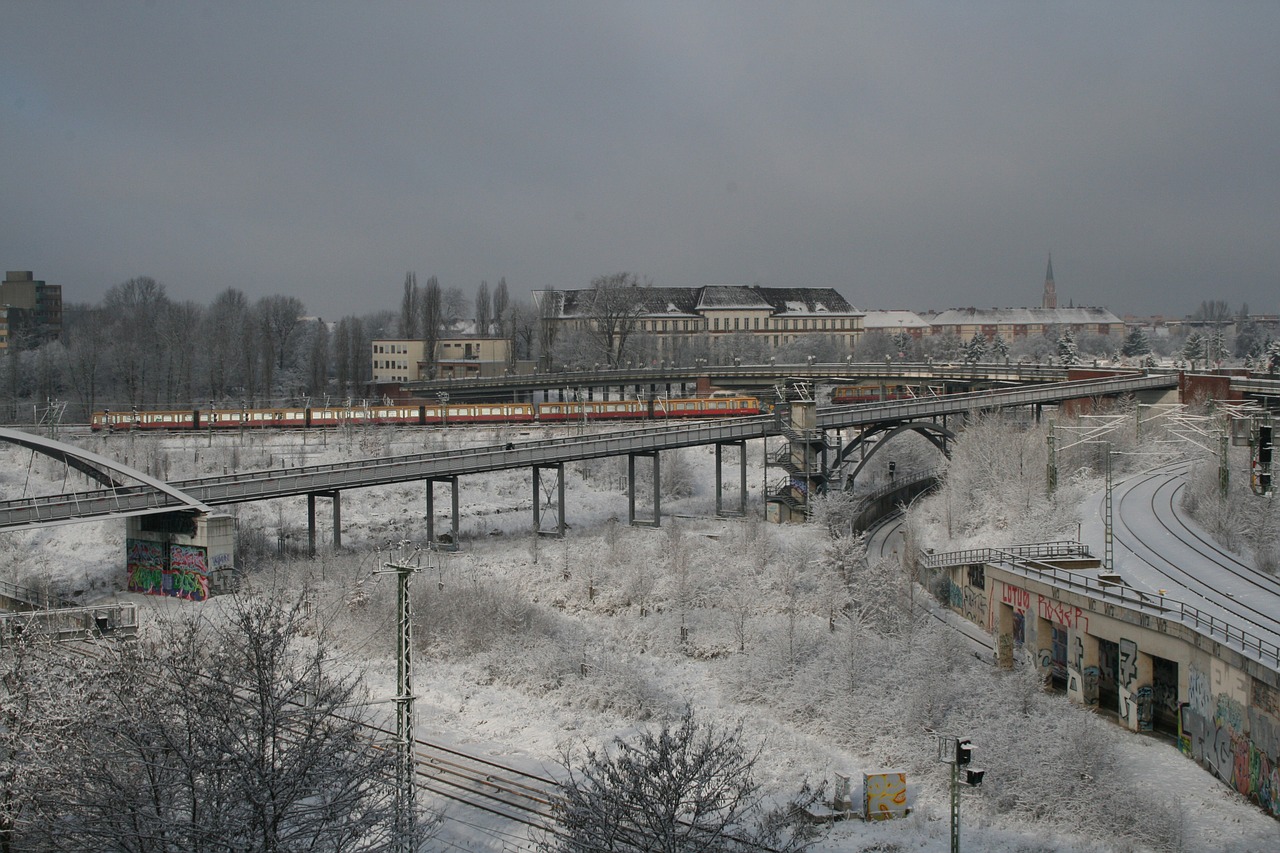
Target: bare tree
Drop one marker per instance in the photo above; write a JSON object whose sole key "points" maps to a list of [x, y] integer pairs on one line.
{"points": [[484, 310], [213, 736], [433, 322], [318, 362], [86, 348], [224, 321], [410, 314], [501, 306], [687, 787], [279, 317], [342, 360], [134, 310], [522, 322], [614, 305], [454, 304]]}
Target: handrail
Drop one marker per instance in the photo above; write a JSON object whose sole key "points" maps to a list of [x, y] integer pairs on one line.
{"points": [[1202, 622]]}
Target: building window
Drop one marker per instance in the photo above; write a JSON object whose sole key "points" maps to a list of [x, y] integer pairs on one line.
{"points": [[735, 324], [717, 322]]}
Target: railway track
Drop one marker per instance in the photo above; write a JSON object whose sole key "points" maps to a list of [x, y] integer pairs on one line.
{"points": [[1180, 556]]}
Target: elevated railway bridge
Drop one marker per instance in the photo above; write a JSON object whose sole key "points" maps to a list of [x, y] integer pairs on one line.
{"points": [[144, 496]]}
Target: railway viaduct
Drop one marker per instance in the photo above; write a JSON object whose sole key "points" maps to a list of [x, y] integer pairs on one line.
{"points": [[1157, 663]]}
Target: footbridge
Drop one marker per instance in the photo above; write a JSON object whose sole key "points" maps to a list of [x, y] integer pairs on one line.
{"points": [[328, 481]]}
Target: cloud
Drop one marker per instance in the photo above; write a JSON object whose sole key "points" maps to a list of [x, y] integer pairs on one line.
{"points": [[910, 154]]}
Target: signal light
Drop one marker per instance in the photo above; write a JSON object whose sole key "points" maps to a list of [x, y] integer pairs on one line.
{"points": [[973, 777], [964, 752]]}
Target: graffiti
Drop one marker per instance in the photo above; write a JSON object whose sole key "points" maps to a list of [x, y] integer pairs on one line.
{"points": [[220, 561], [1056, 611], [1165, 696], [1079, 652], [1265, 697], [1199, 694], [1019, 628], [1146, 707], [187, 576], [1019, 599], [1004, 654], [144, 563], [885, 795], [146, 580], [1127, 669], [1044, 658], [975, 605], [1090, 676]]}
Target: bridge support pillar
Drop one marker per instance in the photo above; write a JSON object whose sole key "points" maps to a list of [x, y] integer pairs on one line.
{"points": [[1084, 667], [1136, 674], [336, 497], [656, 520], [452, 544], [1004, 635], [537, 498], [742, 479]]}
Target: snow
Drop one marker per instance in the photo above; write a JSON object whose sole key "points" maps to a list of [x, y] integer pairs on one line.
{"points": [[515, 694]]}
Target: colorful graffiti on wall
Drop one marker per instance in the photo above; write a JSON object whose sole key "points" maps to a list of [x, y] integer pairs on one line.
{"points": [[884, 795], [184, 575], [1240, 744]]}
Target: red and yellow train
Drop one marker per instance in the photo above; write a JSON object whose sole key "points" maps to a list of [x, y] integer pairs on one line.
{"points": [[427, 414]]}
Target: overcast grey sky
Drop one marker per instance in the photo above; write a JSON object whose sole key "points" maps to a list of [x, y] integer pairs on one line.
{"points": [[909, 154]]}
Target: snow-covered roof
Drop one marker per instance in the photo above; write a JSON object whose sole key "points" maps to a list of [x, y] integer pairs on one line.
{"points": [[1025, 316], [893, 320]]}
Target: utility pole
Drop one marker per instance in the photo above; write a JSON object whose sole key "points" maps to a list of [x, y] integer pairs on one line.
{"points": [[404, 562]]}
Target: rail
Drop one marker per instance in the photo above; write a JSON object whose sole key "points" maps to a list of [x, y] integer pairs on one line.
{"points": [[72, 623]]}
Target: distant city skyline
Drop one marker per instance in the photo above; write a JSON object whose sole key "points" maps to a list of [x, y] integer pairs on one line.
{"points": [[912, 155]]}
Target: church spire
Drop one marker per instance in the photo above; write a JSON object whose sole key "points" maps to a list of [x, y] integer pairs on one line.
{"points": [[1050, 293]]}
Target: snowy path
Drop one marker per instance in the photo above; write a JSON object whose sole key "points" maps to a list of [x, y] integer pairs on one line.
{"points": [[1157, 548]]}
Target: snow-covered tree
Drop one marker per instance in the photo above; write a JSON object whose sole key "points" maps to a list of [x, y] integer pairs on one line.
{"points": [[1068, 353], [975, 349], [1135, 343], [685, 788], [999, 347], [1193, 349]]}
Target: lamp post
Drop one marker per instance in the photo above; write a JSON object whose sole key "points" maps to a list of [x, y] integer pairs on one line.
{"points": [[443, 397]]}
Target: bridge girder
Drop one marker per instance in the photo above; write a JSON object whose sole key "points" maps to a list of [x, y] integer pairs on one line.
{"points": [[937, 435]]}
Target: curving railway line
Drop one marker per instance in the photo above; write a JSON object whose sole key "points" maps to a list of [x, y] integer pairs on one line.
{"points": [[1158, 550]]}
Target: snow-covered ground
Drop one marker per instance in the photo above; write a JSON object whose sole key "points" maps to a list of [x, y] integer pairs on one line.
{"points": [[535, 643]]}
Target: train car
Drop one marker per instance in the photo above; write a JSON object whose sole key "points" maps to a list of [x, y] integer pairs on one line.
{"points": [[591, 410], [846, 395], [430, 414]]}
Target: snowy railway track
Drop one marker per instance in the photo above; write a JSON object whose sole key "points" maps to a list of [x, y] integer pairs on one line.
{"points": [[883, 543], [1173, 554]]}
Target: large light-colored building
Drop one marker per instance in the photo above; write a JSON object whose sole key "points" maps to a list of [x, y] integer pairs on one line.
{"points": [[775, 316], [456, 357], [1018, 323]]}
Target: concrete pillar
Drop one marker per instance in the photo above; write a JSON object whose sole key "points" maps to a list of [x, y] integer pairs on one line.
{"points": [[1083, 667], [431, 515], [1043, 644], [742, 477], [1136, 676], [656, 520], [1004, 635]]}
